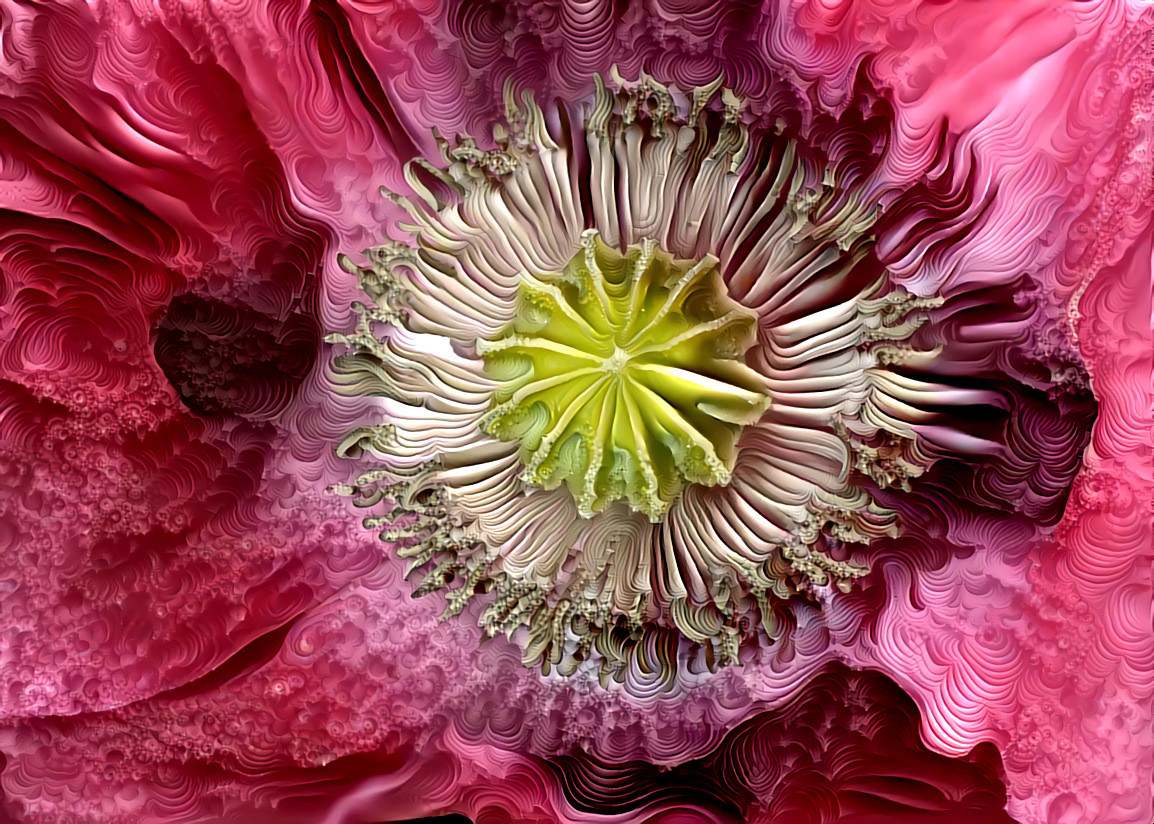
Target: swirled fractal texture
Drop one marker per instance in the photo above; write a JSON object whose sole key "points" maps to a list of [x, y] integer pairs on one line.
{"points": [[578, 411]]}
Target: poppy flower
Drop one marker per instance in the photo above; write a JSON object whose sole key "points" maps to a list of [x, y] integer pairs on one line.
{"points": [[725, 411]]}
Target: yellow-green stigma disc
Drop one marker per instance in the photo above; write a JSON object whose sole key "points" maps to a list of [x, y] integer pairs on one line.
{"points": [[623, 377]]}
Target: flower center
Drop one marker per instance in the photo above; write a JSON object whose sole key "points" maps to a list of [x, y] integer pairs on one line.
{"points": [[616, 361], [623, 377]]}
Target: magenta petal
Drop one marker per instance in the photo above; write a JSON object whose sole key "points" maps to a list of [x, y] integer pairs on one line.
{"points": [[150, 225]]}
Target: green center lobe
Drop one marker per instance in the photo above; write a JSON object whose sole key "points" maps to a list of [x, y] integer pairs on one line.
{"points": [[623, 377]]}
